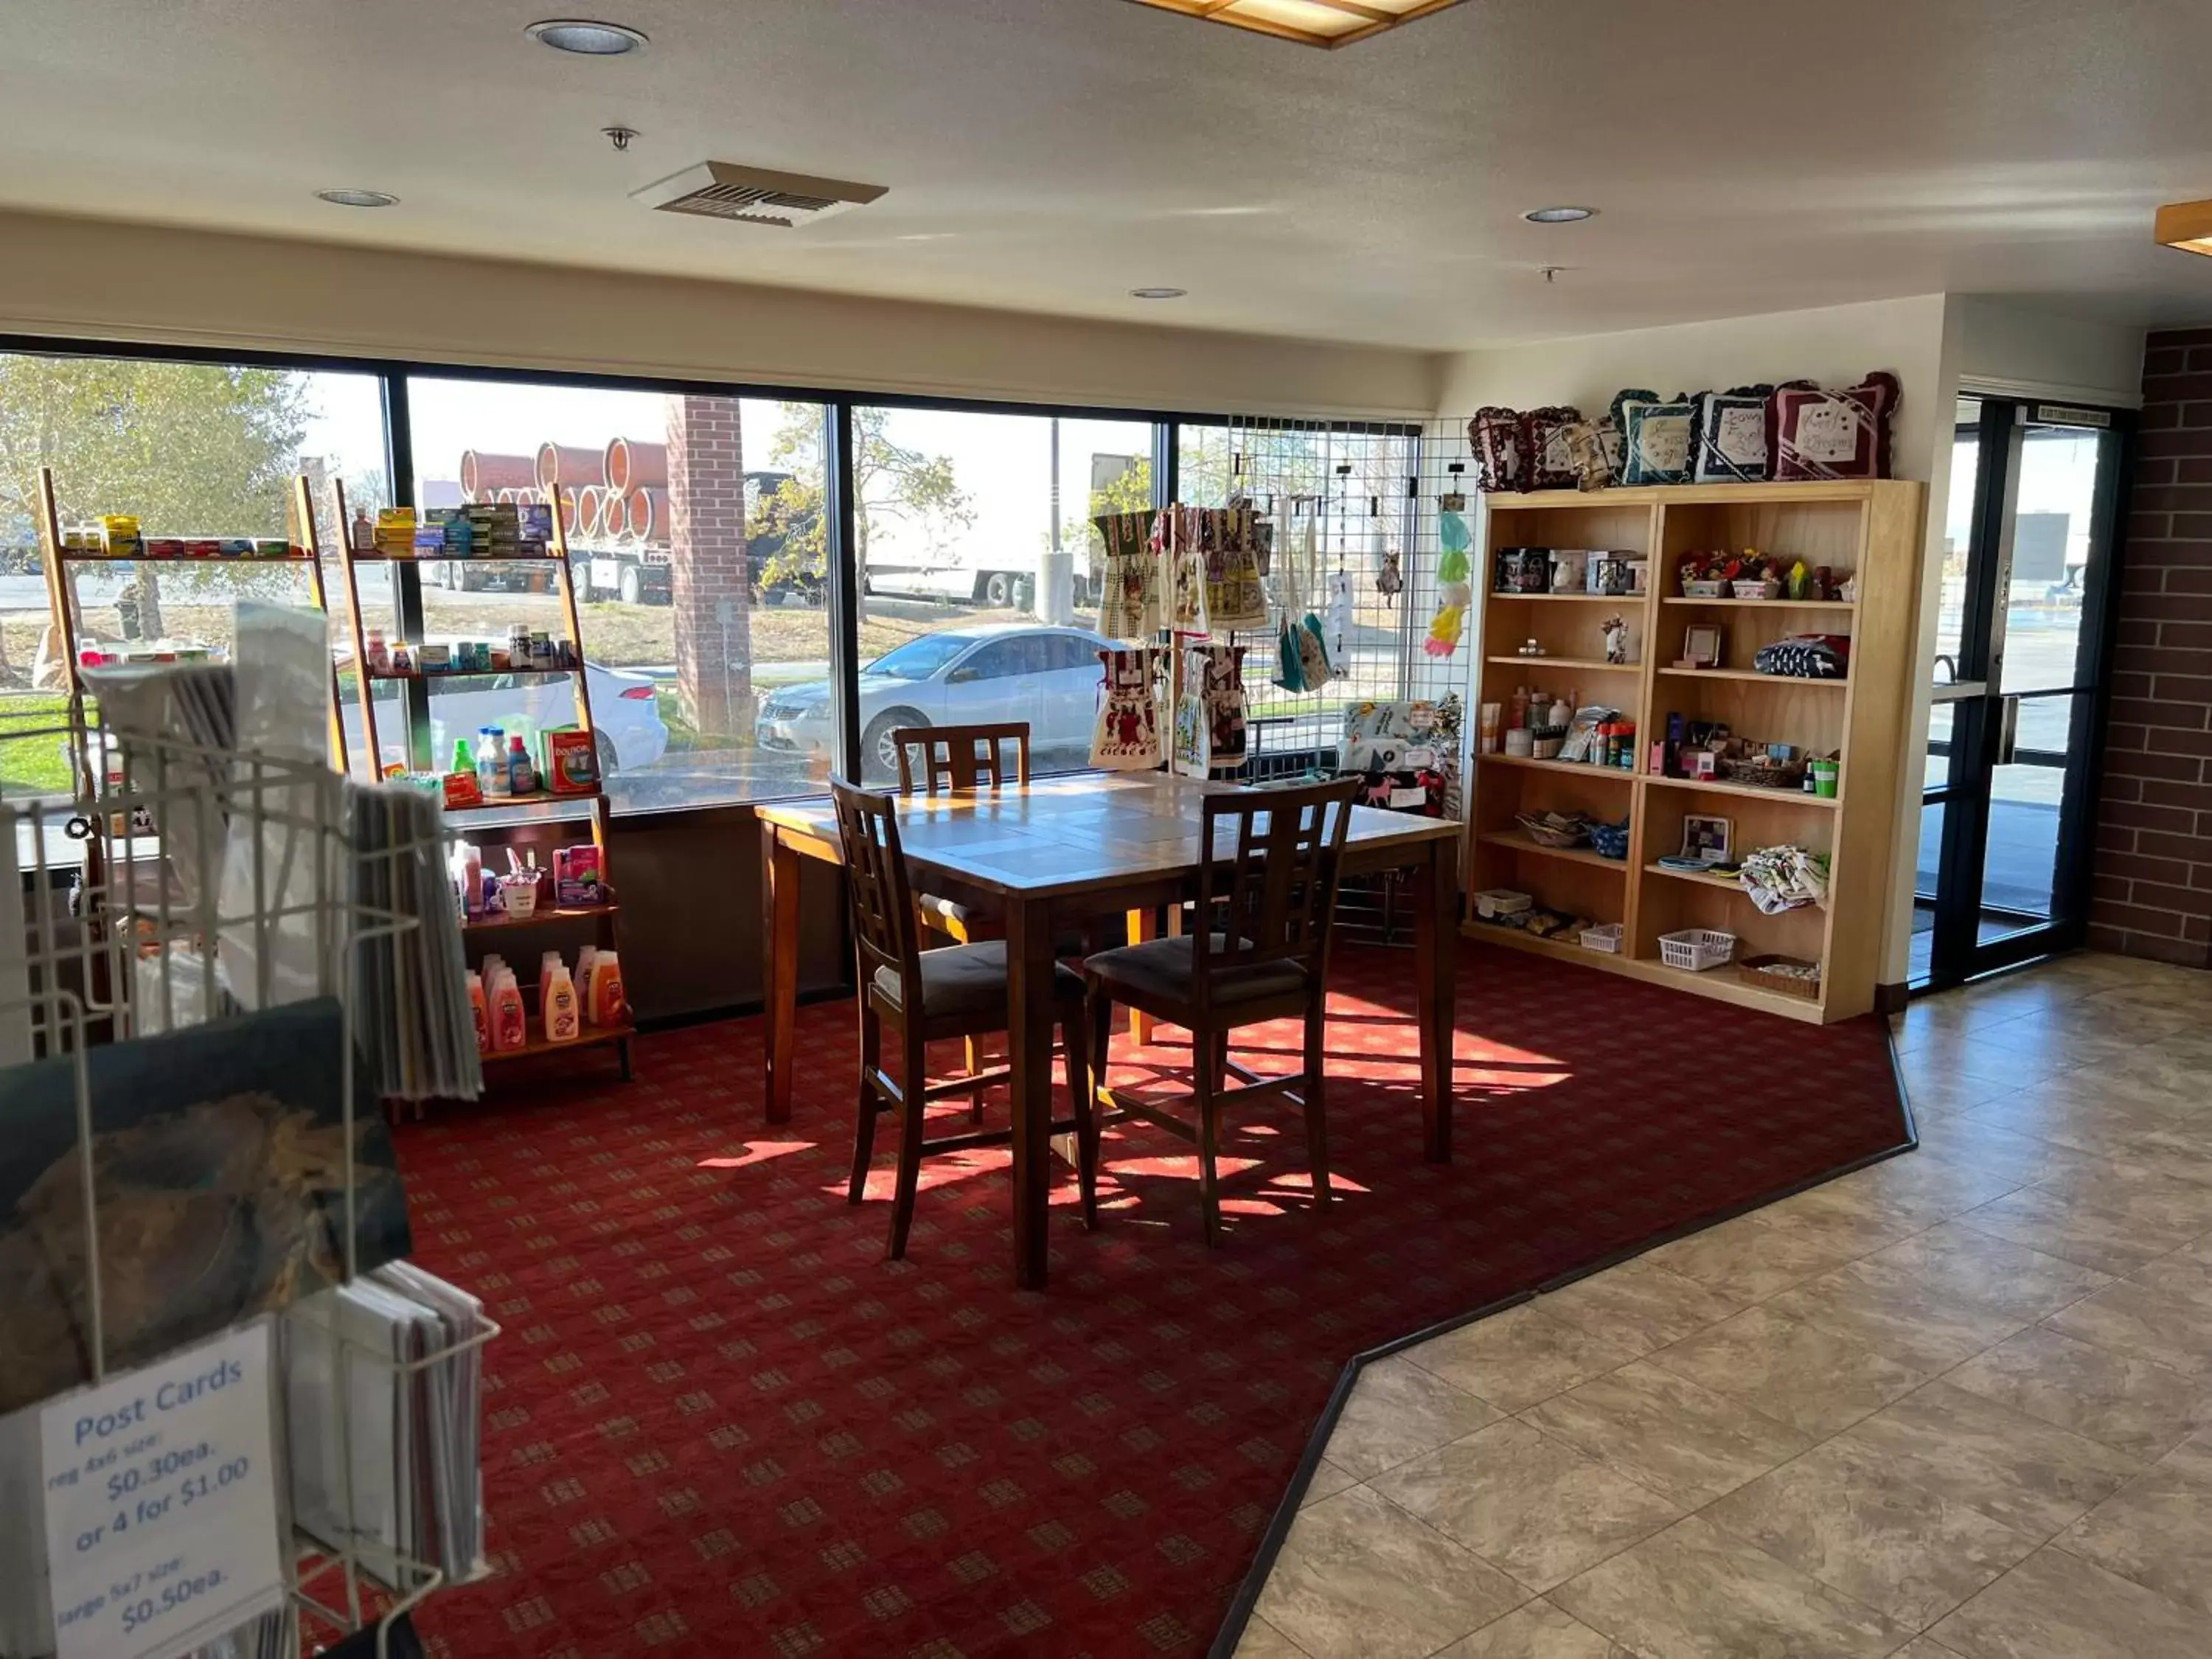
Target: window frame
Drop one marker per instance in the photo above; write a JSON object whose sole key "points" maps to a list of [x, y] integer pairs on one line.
{"points": [[838, 404]]}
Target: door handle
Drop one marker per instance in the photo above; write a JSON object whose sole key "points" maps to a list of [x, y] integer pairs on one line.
{"points": [[2008, 728]]}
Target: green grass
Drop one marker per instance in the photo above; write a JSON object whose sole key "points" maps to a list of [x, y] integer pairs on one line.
{"points": [[32, 765]]}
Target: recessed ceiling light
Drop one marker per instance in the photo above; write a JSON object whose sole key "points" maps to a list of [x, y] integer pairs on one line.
{"points": [[586, 38], [1158, 293], [1559, 216], [358, 198]]}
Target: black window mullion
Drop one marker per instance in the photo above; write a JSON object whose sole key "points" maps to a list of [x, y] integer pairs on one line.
{"points": [[406, 576], [837, 458]]}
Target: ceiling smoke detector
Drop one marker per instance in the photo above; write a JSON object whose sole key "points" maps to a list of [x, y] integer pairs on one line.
{"points": [[755, 195]]}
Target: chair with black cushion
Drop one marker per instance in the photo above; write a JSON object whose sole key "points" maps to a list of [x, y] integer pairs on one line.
{"points": [[1259, 951], [927, 996], [940, 760]]}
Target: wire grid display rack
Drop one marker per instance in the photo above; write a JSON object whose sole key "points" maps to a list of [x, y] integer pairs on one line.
{"points": [[183, 882], [1370, 494]]}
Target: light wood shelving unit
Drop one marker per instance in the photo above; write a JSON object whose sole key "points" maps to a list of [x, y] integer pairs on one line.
{"points": [[61, 565], [511, 814], [1868, 530]]}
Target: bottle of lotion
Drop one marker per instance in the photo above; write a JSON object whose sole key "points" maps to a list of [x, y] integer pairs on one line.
{"points": [[482, 1013], [510, 1021], [557, 994], [606, 990]]}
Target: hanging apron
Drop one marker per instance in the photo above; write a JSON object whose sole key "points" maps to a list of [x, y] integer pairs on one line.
{"points": [[1127, 737], [1129, 598]]}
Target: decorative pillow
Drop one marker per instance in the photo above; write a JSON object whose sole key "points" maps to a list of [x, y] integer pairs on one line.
{"points": [[1656, 435], [1500, 458], [1732, 436], [1545, 442], [1835, 434], [1595, 446]]}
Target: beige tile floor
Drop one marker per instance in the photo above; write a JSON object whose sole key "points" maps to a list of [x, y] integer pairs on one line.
{"points": [[1957, 1406]]}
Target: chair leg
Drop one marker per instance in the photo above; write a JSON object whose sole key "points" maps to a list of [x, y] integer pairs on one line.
{"points": [[1316, 1083], [863, 1116], [975, 1064], [1221, 1060], [911, 1113], [1075, 1051], [1205, 1094]]}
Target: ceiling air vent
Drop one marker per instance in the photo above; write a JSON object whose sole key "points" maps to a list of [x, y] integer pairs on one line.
{"points": [[754, 195]]}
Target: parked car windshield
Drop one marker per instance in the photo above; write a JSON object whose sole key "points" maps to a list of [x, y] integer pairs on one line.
{"points": [[921, 656]]}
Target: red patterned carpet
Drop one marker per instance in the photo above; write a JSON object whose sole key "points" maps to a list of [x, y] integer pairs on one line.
{"points": [[721, 1424]]}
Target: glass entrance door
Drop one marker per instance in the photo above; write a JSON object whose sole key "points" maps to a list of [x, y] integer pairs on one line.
{"points": [[2021, 648]]}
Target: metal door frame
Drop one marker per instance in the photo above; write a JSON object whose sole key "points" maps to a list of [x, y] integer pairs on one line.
{"points": [[1983, 723]]}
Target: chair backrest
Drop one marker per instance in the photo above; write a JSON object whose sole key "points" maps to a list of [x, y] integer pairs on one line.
{"points": [[875, 875], [935, 759], [1269, 891]]}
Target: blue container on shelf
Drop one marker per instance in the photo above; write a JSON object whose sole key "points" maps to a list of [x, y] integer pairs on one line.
{"points": [[1609, 841]]}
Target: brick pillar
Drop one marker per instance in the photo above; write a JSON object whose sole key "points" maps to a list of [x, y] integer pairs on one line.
{"points": [[713, 588], [2153, 860]]}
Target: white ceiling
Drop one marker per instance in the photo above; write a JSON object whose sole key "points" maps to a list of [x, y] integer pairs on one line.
{"points": [[1050, 155]]}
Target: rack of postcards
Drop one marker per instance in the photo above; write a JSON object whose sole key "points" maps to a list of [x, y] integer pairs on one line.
{"points": [[233, 1420]]}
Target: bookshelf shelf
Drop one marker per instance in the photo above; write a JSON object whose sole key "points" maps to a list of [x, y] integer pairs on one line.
{"points": [[1870, 531]]}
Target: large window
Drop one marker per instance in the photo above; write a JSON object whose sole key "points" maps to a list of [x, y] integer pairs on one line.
{"points": [[697, 548], [187, 449], [973, 539], [702, 531]]}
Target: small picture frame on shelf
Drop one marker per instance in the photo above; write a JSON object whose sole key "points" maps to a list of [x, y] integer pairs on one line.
{"points": [[1709, 840], [1701, 646]]}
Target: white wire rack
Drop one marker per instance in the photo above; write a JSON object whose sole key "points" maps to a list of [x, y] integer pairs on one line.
{"points": [[184, 883]]}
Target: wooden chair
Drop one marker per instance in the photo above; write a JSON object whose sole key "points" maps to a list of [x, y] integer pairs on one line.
{"points": [[1260, 952], [935, 760], [926, 996]]}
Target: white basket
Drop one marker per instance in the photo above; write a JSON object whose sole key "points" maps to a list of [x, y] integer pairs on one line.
{"points": [[1696, 948], [1606, 937]]}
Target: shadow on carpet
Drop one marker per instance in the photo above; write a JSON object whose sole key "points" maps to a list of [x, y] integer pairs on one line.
{"points": [[721, 1423]]}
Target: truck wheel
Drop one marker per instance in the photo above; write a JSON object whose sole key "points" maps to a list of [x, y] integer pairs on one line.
{"points": [[633, 586], [998, 590]]}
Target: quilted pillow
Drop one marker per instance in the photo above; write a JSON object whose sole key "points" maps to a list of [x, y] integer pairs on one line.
{"points": [[1732, 436], [1500, 458], [1835, 434], [1656, 437], [1544, 441]]}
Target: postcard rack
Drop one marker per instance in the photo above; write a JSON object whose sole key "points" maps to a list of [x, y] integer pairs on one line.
{"points": [[184, 883]]}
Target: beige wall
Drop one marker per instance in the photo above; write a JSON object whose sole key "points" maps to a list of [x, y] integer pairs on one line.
{"points": [[97, 280]]}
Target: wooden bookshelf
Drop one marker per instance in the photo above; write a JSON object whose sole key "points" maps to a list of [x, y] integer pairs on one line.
{"points": [[1871, 531]]}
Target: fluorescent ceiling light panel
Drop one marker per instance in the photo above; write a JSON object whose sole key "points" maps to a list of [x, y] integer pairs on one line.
{"points": [[2187, 226], [1311, 22]]}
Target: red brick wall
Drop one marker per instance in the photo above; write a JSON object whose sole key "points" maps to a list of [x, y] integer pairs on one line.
{"points": [[2154, 861], [712, 589]]}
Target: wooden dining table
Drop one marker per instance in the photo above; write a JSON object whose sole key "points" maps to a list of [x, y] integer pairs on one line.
{"points": [[1057, 856]]}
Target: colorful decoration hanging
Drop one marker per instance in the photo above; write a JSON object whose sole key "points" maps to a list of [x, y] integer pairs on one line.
{"points": [[1182, 565], [1129, 594], [1128, 737], [1209, 732], [1390, 580], [1454, 590], [1230, 544]]}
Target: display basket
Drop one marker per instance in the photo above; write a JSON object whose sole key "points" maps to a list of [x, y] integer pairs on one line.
{"points": [[1762, 771], [1557, 830], [1771, 973], [1696, 949], [1604, 937]]}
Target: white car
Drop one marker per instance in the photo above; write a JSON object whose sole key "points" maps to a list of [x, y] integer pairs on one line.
{"points": [[625, 714], [971, 676]]}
